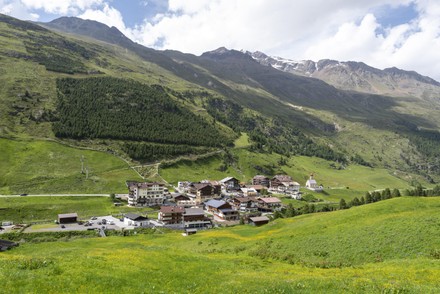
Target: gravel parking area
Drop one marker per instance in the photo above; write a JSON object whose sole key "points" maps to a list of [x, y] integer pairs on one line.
{"points": [[111, 223]]}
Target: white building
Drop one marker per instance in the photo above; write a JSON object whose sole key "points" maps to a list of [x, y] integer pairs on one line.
{"points": [[145, 194], [311, 184], [131, 219], [183, 186]]}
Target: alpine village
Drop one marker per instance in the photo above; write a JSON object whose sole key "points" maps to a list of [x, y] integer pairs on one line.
{"points": [[126, 169]]}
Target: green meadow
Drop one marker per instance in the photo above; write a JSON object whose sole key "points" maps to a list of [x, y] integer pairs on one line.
{"points": [[387, 247], [40, 167], [45, 209], [248, 164]]}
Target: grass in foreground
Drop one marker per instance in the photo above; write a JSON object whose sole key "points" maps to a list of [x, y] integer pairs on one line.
{"points": [[386, 247]]}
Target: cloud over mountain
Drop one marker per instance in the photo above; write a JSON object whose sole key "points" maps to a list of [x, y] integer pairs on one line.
{"points": [[383, 33]]}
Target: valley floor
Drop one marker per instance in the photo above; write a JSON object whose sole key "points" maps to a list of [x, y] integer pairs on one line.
{"points": [[387, 247]]}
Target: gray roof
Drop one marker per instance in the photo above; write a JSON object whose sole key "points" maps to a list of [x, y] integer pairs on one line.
{"points": [[135, 217], [194, 211], [215, 203], [65, 215], [259, 218], [228, 179]]}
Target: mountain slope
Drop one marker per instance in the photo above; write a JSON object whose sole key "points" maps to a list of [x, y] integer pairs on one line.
{"points": [[227, 89]]}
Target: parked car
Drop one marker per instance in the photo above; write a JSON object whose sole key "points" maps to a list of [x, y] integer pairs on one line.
{"points": [[63, 226], [94, 218]]}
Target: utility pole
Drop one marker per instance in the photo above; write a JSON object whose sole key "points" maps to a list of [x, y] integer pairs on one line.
{"points": [[82, 164]]}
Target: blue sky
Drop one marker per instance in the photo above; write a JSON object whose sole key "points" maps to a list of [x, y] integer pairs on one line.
{"points": [[381, 33], [389, 16]]}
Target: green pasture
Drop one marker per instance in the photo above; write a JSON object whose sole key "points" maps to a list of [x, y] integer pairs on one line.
{"points": [[334, 177], [387, 247], [39, 167], [39, 209]]}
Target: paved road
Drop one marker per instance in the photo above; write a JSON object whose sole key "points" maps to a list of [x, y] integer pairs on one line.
{"points": [[58, 195]]}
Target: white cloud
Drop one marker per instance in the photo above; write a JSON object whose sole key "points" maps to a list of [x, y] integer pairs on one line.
{"points": [[412, 46], [16, 9], [107, 15], [314, 29], [62, 7], [199, 25]]}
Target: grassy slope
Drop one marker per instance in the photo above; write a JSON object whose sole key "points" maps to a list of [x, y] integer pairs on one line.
{"points": [[383, 247], [355, 177], [48, 167], [38, 209], [18, 76]]}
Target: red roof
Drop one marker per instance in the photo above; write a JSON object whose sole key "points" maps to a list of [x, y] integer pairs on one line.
{"points": [[270, 200], [245, 199]]}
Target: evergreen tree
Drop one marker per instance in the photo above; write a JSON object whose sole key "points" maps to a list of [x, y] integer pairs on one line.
{"points": [[342, 204], [376, 196], [355, 202], [277, 214], [386, 194], [362, 200], [368, 198], [290, 211], [326, 208], [395, 193], [305, 209], [419, 191]]}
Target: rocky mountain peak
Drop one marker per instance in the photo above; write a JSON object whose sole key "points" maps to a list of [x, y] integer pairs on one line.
{"points": [[89, 28], [224, 53], [356, 76]]}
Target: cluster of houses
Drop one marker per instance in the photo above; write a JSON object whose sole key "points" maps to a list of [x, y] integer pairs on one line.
{"points": [[224, 200]]}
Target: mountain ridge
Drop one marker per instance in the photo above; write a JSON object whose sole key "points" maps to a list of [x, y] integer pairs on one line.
{"points": [[356, 76], [281, 112]]}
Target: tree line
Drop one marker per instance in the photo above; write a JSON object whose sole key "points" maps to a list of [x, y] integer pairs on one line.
{"points": [[112, 108], [369, 197], [148, 152]]}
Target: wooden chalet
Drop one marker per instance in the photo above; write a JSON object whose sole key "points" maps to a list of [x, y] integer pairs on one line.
{"points": [[258, 220], [66, 218], [267, 204], [261, 180], [195, 218], [222, 210], [171, 214], [230, 183]]}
